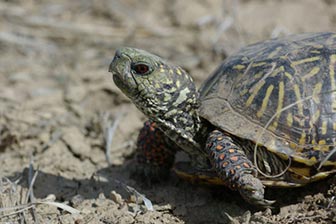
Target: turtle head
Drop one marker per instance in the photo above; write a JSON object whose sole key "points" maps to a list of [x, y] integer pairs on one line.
{"points": [[162, 91]]}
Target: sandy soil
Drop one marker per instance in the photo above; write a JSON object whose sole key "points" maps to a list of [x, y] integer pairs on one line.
{"points": [[57, 102]]}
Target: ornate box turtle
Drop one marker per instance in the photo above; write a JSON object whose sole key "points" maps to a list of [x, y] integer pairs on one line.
{"points": [[265, 117]]}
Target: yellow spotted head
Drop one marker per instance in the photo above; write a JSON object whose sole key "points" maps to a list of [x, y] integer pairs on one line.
{"points": [[156, 87]]}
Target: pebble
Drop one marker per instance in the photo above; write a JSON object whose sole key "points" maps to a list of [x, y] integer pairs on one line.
{"points": [[117, 198]]}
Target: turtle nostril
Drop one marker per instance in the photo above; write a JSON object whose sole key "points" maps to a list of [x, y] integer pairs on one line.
{"points": [[117, 54]]}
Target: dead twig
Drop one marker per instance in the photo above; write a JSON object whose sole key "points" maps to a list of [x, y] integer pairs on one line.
{"points": [[138, 195], [24, 207], [331, 201], [30, 194], [31, 181], [109, 134], [21, 209]]}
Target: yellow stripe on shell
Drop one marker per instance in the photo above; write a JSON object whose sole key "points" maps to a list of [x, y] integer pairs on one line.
{"points": [[255, 91], [239, 67], [265, 101], [280, 104], [258, 64], [324, 127], [302, 138], [332, 77], [322, 142], [316, 92], [288, 75], [280, 98], [275, 52], [315, 51], [310, 74], [298, 98], [333, 106], [315, 117], [258, 75], [305, 60], [332, 71], [322, 146], [301, 171], [243, 92], [256, 87], [289, 119]]}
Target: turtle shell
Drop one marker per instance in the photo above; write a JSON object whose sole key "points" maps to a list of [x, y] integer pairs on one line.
{"points": [[281, 94]]}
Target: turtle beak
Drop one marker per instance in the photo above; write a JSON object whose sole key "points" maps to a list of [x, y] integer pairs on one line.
{"points": [[115, 58], [110, 68], [122, 76]]}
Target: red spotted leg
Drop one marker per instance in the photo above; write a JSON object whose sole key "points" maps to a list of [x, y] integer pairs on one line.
{"points": [[233, 166], [155, 154]]}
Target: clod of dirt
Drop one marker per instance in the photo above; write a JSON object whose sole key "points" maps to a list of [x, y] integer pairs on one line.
{"points": [[7, 138], [76, 142]]}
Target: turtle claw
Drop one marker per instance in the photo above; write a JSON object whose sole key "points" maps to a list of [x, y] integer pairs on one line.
{"points": [[264, 203], [252, 190], [267, 203]]}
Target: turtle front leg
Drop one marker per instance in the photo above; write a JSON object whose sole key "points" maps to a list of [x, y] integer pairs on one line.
{"points": [[236, 170], [155, 154]]}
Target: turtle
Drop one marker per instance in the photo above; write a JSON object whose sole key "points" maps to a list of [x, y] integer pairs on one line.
{"points": [[266, 117]]}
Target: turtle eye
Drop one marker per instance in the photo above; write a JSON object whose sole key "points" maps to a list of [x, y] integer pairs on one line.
{"points": [[140, 68]]}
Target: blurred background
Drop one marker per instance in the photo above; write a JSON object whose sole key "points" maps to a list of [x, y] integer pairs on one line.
{"points": [[59, 107]]}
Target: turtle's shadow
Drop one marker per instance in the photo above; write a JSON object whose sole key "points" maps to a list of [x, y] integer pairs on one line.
{"points": [[178, 193]]}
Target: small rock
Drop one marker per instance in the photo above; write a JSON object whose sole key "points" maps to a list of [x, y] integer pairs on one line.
{"points": [[133, 198], [50, 197], [133, 208], [166, 207], [117, 198], [76, 200], [101, 196]]}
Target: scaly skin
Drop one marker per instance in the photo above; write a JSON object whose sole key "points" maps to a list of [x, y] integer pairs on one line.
{"points": [[155, 154], [167, 96], [235, 169]]}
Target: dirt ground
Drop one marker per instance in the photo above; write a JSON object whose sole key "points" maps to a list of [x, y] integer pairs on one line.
{"points": [[58, 102]]}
